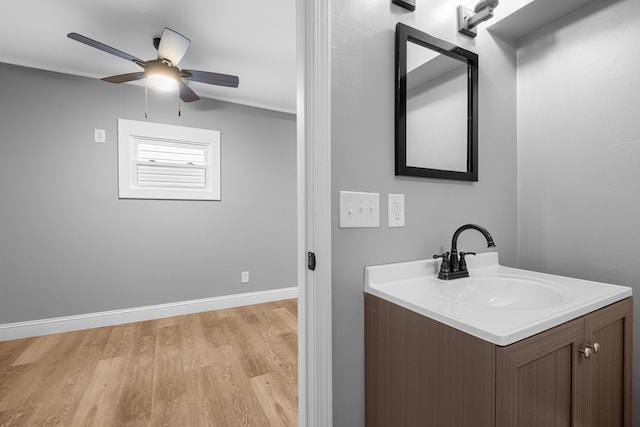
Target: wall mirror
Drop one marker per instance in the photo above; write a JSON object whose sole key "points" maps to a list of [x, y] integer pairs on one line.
{"points": [[436, 107]]}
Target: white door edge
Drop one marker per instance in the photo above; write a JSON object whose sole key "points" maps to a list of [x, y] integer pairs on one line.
{"points": [[314, 213]]}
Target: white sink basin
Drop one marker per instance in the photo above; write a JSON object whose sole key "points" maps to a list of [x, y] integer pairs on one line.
{"points": [[499, 304], [508, 291]]}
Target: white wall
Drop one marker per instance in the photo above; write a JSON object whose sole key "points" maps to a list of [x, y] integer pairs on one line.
{"points": [[69, 246], [579, 149], [363, 35]]}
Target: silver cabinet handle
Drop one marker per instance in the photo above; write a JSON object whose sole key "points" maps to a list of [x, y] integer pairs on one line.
{"points": [[589, 350]]}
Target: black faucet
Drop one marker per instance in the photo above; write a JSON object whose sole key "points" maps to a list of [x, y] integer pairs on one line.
{"points": [[453, 267]]}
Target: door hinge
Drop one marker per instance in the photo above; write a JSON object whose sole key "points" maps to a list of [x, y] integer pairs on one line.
{"points": [[311, 261]]}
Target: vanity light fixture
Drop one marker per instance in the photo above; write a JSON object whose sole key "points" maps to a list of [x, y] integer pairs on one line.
{"points": [[407, 4], [469, 19]]}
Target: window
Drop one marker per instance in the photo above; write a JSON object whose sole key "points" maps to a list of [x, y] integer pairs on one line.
{"points": [[157, 161]]}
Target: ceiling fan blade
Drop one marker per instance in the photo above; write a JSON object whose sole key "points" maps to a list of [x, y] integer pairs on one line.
{"points": [[172, 46], [186, 94], [210, 78], [123, 78], [103, 47]]}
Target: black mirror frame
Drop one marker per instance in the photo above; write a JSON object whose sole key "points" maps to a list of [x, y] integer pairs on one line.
{"points": [[404, 34]]}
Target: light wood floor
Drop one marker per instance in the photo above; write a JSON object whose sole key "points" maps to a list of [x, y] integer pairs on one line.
{"points": [[233, 367]]}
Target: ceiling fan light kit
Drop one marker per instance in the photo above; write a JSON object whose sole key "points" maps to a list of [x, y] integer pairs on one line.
{"points": [[163, 73], [162, 76]]}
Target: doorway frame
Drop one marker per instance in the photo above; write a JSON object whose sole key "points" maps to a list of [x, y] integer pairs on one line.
{"points": [[313, 53]]}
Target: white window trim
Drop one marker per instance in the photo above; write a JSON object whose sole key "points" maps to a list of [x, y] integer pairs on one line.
{"points": [[131, 133]]}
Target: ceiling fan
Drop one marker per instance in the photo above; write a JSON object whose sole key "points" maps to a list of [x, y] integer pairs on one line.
{"points": [[163, 72]]}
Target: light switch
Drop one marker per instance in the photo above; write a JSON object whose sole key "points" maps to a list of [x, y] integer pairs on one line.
{"points": [[99, 135], [359, 210]]}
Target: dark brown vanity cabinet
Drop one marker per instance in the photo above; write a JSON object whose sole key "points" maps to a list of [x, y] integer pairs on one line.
{"points": [[420, 372]]}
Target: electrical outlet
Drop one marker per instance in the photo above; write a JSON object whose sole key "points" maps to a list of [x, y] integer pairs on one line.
{"points": [[245, 277], [359, 210], [396, 210]]}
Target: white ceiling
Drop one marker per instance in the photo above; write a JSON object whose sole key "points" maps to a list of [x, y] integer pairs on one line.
{"points": [[253, 39]]}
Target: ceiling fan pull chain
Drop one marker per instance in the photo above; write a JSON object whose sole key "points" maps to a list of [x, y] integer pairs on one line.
{"points": [[179, 112], [145, 102]]}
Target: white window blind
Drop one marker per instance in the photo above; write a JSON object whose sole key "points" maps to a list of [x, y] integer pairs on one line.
{"points": [[159, 176], [168, 162]]}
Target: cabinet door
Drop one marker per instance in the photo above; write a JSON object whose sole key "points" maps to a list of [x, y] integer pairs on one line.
{"points": [[419, 372], [607, 393], [537, 378]]}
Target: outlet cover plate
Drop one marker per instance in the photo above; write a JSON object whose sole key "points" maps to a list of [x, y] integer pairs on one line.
{"points": [[396, 210], [359, 210]]}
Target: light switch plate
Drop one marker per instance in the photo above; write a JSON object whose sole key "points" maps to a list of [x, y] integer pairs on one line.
{"points": [[396, 210], [359, 210], [99, 135]]}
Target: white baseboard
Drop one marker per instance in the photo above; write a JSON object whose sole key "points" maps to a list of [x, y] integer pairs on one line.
{"points": [[11, 331]]}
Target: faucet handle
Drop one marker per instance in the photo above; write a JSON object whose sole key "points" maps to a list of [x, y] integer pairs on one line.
{"points": [[463, 263], [444, 267]]}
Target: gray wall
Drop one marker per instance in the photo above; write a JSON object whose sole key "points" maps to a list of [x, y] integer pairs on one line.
{"points": [[68, 245], [362, 160], [579, 149]]}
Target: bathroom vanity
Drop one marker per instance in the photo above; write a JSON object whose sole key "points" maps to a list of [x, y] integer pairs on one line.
{"points": [[504, 347]]}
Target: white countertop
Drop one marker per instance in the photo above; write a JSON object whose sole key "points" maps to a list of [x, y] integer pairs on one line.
{"points": [[414, 285]]}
